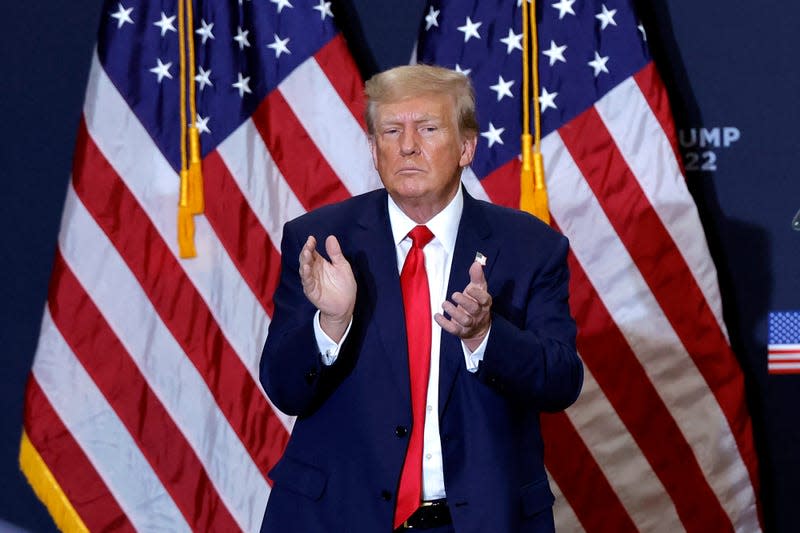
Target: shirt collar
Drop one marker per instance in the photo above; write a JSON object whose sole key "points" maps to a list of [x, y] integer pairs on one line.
{"points": [[444, 225]]}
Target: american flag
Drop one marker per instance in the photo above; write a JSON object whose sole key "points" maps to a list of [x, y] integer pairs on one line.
{"points": [[784, 342], [143, 408], [660, 438]]}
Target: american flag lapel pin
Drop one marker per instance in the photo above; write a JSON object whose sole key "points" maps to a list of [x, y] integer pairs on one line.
{"points": [[480, 258]]}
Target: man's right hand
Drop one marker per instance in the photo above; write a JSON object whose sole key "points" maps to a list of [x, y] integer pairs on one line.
{"points": [[329, 285]]}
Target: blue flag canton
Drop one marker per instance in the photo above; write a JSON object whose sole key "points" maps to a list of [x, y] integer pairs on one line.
{"points": [[243, 50], [586, 48], [784, 327]]}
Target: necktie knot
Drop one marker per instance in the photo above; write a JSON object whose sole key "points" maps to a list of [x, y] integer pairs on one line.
{"points": [[420, 236]]}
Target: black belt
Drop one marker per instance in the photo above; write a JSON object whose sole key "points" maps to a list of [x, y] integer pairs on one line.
{"points": [[430, 514]]}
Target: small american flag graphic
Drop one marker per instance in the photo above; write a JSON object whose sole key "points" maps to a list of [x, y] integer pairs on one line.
{"points": [[784, 342]]}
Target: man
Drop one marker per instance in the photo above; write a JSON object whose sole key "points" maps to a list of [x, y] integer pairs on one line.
{"points": [[418, 411]]}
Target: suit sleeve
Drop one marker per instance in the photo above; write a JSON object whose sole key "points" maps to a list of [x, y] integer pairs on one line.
{"points": [[537, 363], [291, 368]]}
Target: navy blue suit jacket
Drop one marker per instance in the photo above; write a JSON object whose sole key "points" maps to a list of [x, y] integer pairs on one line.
{"points": [[342, 464]]}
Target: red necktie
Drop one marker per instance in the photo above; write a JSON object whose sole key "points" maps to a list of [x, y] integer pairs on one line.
{"points": [[417, 305]]}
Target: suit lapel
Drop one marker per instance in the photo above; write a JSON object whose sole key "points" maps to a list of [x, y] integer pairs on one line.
{"points": [[474, 235], [385, 301]]}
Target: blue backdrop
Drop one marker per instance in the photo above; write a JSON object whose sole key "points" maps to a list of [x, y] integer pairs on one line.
{"points": [[731, 72]]}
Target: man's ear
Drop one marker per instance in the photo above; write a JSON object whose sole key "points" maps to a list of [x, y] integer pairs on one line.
{"points": [[468, 145]]}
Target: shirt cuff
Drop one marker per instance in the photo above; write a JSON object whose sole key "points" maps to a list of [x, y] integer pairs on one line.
{"points": [[328, 348], [473, 358]]}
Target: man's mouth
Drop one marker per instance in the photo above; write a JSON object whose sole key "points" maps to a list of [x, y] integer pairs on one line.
{"points": [[409, 170]]}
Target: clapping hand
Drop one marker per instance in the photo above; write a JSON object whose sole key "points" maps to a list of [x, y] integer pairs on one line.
{"points": [[469, 310], [329, 285]]}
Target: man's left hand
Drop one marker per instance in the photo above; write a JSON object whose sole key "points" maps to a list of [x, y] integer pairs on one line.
{"points": [[469, 310]]}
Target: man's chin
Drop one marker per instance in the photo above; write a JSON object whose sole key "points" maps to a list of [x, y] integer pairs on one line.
{"points": [[410, 194], [408, 186]]}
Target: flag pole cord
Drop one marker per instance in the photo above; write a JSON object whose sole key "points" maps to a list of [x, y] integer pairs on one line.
{"points": [[187, 201], [533, 189], [196, 203]]}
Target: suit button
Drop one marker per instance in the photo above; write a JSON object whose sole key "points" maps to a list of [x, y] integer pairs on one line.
{"points": [[311, 376], [400, 431], [386, 495]]}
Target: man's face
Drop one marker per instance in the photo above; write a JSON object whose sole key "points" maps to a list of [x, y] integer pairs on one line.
{"points": [[419, 152]]}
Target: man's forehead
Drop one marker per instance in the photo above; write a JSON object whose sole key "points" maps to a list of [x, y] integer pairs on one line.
{"points": [[433, 106], [413, 115]]}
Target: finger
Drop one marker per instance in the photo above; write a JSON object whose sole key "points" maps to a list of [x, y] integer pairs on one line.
{"points": [[476, 274], [447, 325], [311, 243], [306, 252], [334, 250], [479, 294], [458, 314], [470, 304]]}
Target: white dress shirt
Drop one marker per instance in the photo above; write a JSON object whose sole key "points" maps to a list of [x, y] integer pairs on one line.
{"points": [[438, 259]]}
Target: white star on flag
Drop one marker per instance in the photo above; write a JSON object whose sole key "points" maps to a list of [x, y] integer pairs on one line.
{"points": [[547, 100], [161, 70], [324, 9], [502, 88], [243, 85], [599, 64], [241, 37], [165, 24], [606, 17], [203, 77], [464, 71], [205, 31], [202, 124], [564, 7], [512, 42], [493, 135], [279, 45], [431, 18], [281, 4], [122, 15], [470, 29], [555, 53]]}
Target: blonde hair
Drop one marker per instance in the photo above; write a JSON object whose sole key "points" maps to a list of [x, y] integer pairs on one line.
{"points": [[409, 81]]}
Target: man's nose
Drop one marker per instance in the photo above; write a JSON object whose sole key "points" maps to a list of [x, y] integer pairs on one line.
{"points": [[409, 144]]}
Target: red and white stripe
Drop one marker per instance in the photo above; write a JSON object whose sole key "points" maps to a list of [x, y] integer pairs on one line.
{"points": [[783, 359], [146, 373]]}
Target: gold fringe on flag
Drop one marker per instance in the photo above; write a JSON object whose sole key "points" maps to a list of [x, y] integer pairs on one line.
{"points": [[533, 189], [47, 488]]}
